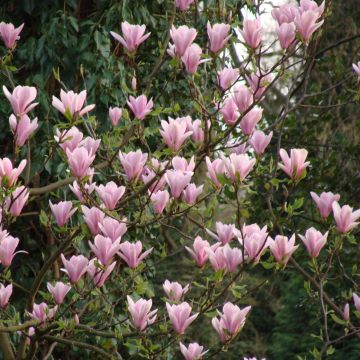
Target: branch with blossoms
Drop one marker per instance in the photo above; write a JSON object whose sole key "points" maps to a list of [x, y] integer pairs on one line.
{"points": [[131, 195]]}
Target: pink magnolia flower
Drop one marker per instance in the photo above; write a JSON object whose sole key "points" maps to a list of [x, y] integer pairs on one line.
{"points": [[110, 194], [131, 253], [183, 5], [227, 77], [133, 36], [259, 141], [112, 228], [231, 321], [79, 161], [229, 111], [197, 132], [193, 352], [152, 179], [159, 200], [104, 248], [356, 299], [17, 200], [306, 24], [174, 133], [90, 144], [62, 211], [140, 106], [115, 114], [285, 13], [72, 102], [92, 218], [218, 36], [180, 163], [5, 293], [250, 119], [310, 5], [42, 312], [232, 257], [191, 193], [9, 34], [214, 169], [199, 251], [140, 313], [314, 241], [356, 68], [133, 163], [69, 139], [286, 34], [345, 217], [177, 181], [238, 147], [174, 291], [99, 274], [23, 128], [295, 165], [254, 242], [59, 291], [225, 232], [21, 99], [182, 38], [251, 32], [346, 313], [192, 58], [8, 246], [180, 316], [242, 97], [87, 188], [258, 83], [237, 167], [8, 174], [216, 257], [75, 268], [282, 248]]}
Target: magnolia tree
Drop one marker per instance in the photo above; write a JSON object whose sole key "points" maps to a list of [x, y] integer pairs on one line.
{"points": [[140, 192]]}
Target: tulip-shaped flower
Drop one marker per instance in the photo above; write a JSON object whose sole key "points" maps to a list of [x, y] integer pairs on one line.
{"points": [[314, 241], [99, 274], [225, 232], [295, 165], [214, 169], [183, 5], [42, 312], [104, 248], [356, 299], [197, 132], [216, 257], [141, 313], [356, 68], [23, 128], [75, 268], [306, 24], [259, 141], [8, 246], [285, 13], [21, 99], [115, 115], [243, 97], [199, 251], [59, 291], [90, 144], [250, 119], [229, 111], [112, 228], [133, 163], [8, 174], [180, 163], [192, 58], [174, 133], [306, 5], [69, 139], [282, 248], [345, 217], [110, 194], [177, 181], [238, 166], [193, 352], [133, 36], [227, 77], [92, 218], [17, 200], [231, 321], [72, 102], [174, 291], [191, 193], [5, 293], [79, 161], [88, 188], [286, 34], [251, 32], [232, 257], [218, 36], [255, 244], [159, 200], [180, 316], [131, 253], [140, 106], [62, 211], [9, 34], [182, 38], [346, 312]]}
